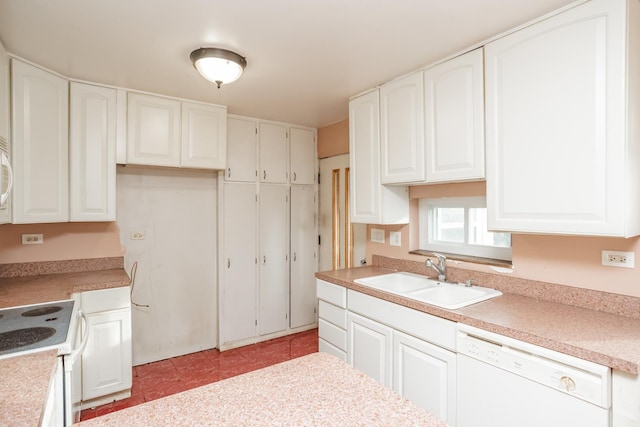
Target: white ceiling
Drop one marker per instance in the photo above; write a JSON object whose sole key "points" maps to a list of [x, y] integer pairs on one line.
{"points": [[305, 57]]}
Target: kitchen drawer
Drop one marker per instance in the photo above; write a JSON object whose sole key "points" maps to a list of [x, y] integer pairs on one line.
{"points": [[333, 314], [325, 347], [335, 294], [105, 300], [332, 334], [413, 322]]}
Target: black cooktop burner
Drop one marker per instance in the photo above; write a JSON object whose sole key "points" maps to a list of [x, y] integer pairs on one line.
{"points": [[42, 311], [23, 337]]}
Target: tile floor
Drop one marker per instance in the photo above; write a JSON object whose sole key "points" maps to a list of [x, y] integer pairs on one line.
{"points": [[170, 376]]}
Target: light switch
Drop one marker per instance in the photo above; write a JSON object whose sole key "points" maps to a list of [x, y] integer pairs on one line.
{"points": [[395, 238]]}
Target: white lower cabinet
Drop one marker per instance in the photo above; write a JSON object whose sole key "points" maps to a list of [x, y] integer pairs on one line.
{"points": [[332, 319], [425, 374], [274, 259], [303, 256], [411, 351], [107, 361], [369, 347], [238, 300]]}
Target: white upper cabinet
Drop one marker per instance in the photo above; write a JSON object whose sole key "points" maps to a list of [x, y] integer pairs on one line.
{"points": [[402, 130], [204, 136], [274, 153], [303, 156], [369, 201], [4, 94], [153, 136], [242, 162], [562, 127], [454, 119], [92, 153], [40, 145], [5, 171]]}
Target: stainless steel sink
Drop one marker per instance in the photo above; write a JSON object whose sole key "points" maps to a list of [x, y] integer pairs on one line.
{"points": [[420, 288]]}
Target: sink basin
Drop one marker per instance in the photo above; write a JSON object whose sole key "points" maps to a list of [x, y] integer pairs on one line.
{"points": [[453, 296], [420, 288], [398, 283]]}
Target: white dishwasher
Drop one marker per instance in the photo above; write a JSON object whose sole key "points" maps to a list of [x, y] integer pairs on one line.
{"points": [[503, 382]]}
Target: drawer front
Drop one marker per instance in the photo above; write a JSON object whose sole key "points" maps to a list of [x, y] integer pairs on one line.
{"points": [[325, 347], [333, 314], [421, 325], [105, 299], [332, 334], [335, 294]]}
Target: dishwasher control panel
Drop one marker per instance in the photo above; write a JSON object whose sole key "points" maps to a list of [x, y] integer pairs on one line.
{"points": [[577, 377]]}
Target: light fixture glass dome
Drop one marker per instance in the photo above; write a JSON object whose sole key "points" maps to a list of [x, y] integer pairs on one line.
{"points": [[219, 66]]}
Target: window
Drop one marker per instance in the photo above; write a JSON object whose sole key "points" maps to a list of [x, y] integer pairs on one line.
{"points": [[459, 225]]}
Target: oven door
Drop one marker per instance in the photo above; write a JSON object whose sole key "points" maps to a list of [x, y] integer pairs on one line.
{"points": [[72, 370]]}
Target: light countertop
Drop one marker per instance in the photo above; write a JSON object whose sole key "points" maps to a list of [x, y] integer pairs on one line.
{"points": [[608, 339], [25, 379], [314, 390]]}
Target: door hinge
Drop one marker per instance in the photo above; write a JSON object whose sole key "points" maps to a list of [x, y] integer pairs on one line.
{"points": [[318, 177], [319, 240]]}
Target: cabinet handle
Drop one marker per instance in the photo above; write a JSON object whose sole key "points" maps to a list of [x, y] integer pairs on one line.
{"points": [[229, 173], [294, 257], [228, 262], [264, 259], [264, 174], [294, 177], [4, 161]]}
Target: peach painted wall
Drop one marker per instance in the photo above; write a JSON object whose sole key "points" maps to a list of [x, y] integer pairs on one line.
{"points": [[565, 260], [333, 140], [62, 241]]}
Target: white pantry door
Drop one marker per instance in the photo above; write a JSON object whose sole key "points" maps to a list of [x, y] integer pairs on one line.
{"points": [[334, 195]]}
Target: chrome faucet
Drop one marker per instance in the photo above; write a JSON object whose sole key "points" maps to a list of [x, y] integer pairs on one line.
{"points": [[440, 268]]}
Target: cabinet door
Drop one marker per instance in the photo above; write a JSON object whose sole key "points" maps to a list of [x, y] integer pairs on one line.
{"points": [[4, 94], [204, 136], [426, 375], [92, 153], [5, 208], [106, 361], [402, 130], [40, 145], [364, 149], [555, 139], [371, 202], [242, 162], [303, 156], [274, 153], [153, 130], [274, 258], [238, 290], [303, 255], [369, 348], [454, 119]]}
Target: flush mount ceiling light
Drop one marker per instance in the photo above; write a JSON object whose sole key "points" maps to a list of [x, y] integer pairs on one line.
{"points": [[219, 66]]}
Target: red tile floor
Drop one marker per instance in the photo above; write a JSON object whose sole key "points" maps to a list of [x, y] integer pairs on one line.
{"points": [[170, 376]]}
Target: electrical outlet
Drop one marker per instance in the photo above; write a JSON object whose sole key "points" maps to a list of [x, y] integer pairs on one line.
{"points": [[394, 238], [618, 259], [137, 235], [32, 239], [377, 235]]}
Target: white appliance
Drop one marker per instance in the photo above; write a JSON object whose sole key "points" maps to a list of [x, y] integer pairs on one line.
{"points": [[54, 325], [503, 382], [71, 354]]}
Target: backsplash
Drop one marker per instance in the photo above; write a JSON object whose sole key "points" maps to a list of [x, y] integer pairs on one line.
{"points": [[66, 266], [607, 302]]}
